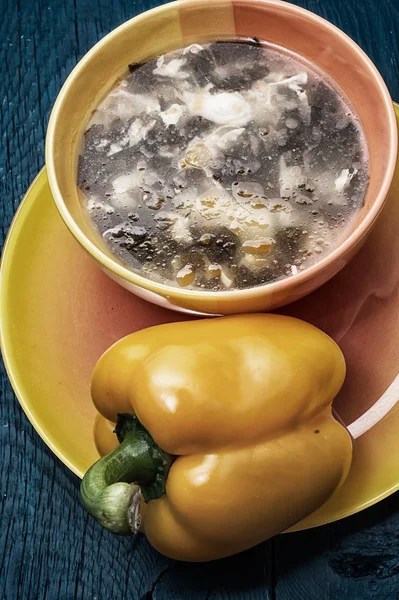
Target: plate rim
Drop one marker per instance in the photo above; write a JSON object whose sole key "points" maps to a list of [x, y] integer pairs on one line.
{"points": [[7, 251]]}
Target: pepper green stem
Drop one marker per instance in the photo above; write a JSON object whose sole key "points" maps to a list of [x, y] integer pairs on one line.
{"points": [[111, 489]]}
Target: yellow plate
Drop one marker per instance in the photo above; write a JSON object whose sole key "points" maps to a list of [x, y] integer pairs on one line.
{"points": [[59, 312]]}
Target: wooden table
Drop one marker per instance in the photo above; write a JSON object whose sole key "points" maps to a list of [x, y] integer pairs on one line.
{"points": [[49, 548]]}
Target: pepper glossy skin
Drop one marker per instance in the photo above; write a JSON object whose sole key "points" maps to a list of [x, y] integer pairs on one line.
{"points": [[244, 403]]}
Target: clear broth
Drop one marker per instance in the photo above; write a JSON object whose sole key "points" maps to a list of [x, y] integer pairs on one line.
{"points": [[223, 166]]}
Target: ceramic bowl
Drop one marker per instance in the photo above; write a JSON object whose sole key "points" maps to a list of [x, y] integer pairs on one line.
{"points": [[179, 24]]}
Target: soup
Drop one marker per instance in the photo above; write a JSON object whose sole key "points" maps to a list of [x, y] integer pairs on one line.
{"points": [[223, 166]]}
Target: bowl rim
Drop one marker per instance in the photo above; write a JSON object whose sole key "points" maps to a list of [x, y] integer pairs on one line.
{"points": [[170, 291]]}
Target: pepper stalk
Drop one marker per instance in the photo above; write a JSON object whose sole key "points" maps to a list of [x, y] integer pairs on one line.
{"points": [[112, 488]]}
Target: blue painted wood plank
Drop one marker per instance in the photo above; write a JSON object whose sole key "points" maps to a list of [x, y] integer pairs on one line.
{"points": [[49, 548], [357, 558]]}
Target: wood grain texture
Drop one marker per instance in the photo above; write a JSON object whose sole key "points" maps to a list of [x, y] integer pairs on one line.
{"points": [[49, 548]]}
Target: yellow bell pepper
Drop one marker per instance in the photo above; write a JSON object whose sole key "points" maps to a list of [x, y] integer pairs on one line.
{"points": [[233, 438]]}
